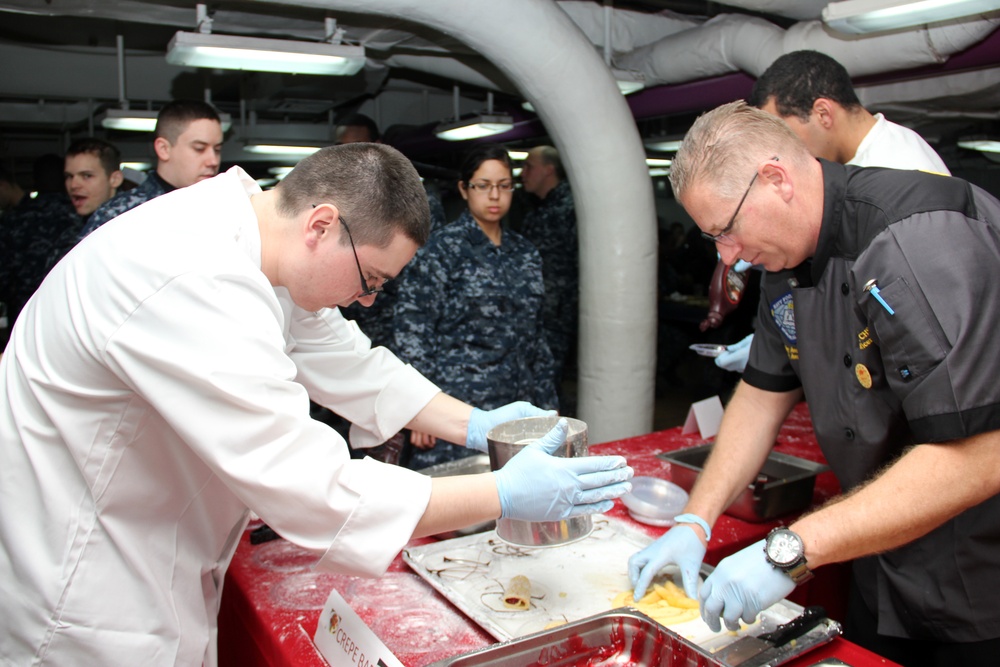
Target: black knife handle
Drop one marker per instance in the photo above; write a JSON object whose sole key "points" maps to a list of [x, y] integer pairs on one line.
{"points": [[795, 628]]}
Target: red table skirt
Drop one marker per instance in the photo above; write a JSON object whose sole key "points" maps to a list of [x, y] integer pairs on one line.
{"points": [[272, 597]]}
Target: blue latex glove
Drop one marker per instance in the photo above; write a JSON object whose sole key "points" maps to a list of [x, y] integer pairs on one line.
{"points": [[736, 356], [741, 587], [536, 486], [481, 421], [681, 546]]}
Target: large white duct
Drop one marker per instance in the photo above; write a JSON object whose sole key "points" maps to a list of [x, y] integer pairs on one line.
{"points": [[731, 43], [576, 97]]}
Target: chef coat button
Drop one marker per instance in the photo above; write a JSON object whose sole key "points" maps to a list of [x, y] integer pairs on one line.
{"points": [[847, 360], [849, 433], [845, 289]]}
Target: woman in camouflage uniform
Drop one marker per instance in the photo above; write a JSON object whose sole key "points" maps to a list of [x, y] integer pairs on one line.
{"points": [[468, 314]]}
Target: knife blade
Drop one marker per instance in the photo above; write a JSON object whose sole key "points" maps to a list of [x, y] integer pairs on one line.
{"points": [[746, 648]]}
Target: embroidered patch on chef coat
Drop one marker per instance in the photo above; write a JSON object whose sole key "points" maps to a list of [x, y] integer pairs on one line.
{"points": [[783, 312]]}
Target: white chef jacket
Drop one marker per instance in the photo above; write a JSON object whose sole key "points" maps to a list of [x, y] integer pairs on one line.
{"points": [[891, 145], [155, 387]]}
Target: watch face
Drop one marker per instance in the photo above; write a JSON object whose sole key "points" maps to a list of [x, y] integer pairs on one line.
{"points": [[784, 548]]}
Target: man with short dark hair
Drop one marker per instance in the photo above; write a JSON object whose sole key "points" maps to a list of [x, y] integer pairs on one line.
{"points": [[93, 174], [188, 145], [813, 93], [158, 391]]}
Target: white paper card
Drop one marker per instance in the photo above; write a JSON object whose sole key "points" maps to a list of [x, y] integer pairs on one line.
{"points": [[344, 639], [704, 417]]}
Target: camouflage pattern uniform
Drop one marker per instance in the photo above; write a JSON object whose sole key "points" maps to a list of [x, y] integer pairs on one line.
{"points": [[468, 316], [376, 320], [151, 188], [29, 234], [552, 228]]}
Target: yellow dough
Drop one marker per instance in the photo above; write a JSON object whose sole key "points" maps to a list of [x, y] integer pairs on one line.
{"points": [[666, 604]]}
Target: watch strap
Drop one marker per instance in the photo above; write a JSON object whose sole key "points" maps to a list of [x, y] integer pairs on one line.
{"points": [[697, 520]]}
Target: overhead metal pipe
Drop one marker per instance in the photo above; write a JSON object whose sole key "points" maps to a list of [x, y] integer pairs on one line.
{"points": [[587, 118]]}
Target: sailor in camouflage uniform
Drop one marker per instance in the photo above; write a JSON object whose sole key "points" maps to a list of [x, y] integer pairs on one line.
{"points": [[468, 312], [551, 226], [30, 232], [188, 147]]}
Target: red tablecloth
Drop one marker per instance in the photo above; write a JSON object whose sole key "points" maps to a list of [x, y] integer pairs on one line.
{"points": [[272, 598]]}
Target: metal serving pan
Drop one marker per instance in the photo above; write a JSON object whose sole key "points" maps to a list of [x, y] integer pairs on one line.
{"points": [[617, 637], [784, 485]]}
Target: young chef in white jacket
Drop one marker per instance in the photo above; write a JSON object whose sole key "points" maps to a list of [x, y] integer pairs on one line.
{"points": [[156, 388]]}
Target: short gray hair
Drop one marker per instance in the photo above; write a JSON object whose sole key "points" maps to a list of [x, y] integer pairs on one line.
{"points": [[725, 145], [374, 186]]}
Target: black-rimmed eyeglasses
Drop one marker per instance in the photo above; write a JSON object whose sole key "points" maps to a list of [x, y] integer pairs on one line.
{"points": [[366, 290], [723, 236]]}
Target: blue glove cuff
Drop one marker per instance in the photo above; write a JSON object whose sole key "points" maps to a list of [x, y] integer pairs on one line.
{"points": [[694, 518]]}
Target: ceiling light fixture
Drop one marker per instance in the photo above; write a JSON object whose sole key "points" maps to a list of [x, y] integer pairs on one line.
{"points": [[142, 121], [264, 55], [664, 145], [983, 145], [281, 149], [480, 125], [203, 49], [864, 16], [474, 127], [125, 119]]}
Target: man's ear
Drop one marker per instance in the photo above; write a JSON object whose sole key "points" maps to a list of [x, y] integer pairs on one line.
{"points": [[116, 179], [162, 148], [823, 109], [320, 221], [776, 175]]}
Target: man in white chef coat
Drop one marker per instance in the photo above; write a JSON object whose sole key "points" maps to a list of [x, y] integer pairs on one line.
{"points": [[156, 389]]}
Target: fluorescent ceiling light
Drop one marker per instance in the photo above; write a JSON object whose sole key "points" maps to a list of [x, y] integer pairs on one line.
{"points": [[864, 16], [657, 162], [264, 55], [984, 145], [482, 125], [135, 121], [281, 149], [663, 145], [142, 121], [280, 172], [658, 172], [518, 155], [138, 166]]}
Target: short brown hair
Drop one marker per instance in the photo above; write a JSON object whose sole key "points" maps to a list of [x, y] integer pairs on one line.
{"points": [[375, 187], [110, 158], [175, 117]]}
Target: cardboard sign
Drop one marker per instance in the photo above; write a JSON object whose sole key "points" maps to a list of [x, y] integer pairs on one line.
{"points": [[704, 417], [344, 639]]}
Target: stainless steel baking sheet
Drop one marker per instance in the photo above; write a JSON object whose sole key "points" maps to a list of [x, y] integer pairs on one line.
{"points": [[568, 582]]}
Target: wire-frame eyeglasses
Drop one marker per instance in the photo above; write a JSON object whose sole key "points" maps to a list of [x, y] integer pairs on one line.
{"points": [[723, 236], [366, 290]]}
